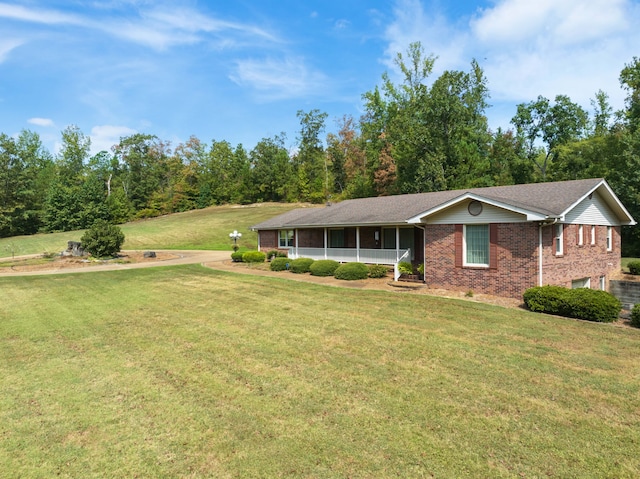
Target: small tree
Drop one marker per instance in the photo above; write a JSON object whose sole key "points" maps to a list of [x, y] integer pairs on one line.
{"points": [[102, 239]]}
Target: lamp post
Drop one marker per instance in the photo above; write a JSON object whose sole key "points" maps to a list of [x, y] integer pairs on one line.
{"points": [[235, 235]]}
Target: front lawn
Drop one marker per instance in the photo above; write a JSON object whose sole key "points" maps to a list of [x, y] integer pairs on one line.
{"points": [[188, 372]]}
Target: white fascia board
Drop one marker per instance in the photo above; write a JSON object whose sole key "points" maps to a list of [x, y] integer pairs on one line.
{"points": [[611, 199], [530, 215]]}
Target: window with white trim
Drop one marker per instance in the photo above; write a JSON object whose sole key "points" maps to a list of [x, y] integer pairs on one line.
{"points": [[580, 235], [593, 234], [476, 245], [603, 283], [285, 238], [609, 238], [559, 239], [581, 283]]}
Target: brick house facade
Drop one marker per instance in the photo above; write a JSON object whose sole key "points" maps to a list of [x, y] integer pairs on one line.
{"points": [[498, 240]]}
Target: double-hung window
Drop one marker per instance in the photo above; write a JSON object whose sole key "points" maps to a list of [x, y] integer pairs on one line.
{"points": [[476, 245], [285, 238], [609, 238], [559, 237]]}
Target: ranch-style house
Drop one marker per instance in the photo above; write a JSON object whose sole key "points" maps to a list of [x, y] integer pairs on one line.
{"points": [[498, 240]]}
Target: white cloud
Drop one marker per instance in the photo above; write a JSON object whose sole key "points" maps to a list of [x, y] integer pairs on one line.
{"points": [[549, 21], [46, 122], [103, 137], [278, 79], [547, 47], [50, 17], [7, 46]]}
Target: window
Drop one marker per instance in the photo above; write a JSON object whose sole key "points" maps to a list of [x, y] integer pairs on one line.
{"points": [[476, 245], [285, 238], [580, 235], [559, 240], [609, 238], [389, 238], [593, 234], [336, 238], [581, 283], [603, 283]]}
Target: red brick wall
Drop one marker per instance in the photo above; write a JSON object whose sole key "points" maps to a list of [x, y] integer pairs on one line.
{"points": [[311, 238], [517, 254], [517, 259], [586, 261], [268, 240]]}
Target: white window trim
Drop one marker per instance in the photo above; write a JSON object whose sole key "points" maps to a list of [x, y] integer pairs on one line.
{"points": [[464, 248], [559, 236], [581, 283], [603, 283], [593, 235], [609, 238], [286, 239], [580, 235]]}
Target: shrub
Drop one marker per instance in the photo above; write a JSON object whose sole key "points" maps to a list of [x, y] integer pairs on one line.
{"points": [[634, 267], [236, 257], [583, 303], [272, 253], [300, 265], [324, 267], [404, 267], [279, 264], [378, 271], [352, 271], [253, 257], [635, 315], [103, 239]]}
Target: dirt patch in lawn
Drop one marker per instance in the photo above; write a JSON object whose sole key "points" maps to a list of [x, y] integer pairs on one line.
{"points": [[42, 263]]}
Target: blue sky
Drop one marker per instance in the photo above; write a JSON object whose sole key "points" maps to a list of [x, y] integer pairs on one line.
{"points": [[240, 70]]}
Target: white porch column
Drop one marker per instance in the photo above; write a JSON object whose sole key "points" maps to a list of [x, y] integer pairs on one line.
{"points": [[295, 233], [397, 243], [325, 243], [358, 244]]}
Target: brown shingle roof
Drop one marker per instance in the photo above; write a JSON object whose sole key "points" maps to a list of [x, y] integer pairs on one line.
{"points": [[543, 199]]}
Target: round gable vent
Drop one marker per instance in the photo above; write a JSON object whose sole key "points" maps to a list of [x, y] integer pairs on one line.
{"points": [[475, 208]]}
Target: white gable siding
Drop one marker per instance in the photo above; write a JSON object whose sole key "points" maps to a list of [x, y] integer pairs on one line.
{"points": [[459, 214], [592, 211]]}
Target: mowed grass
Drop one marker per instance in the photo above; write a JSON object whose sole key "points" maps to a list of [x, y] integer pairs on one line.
{"points": [[206, 229], [189, 372]]}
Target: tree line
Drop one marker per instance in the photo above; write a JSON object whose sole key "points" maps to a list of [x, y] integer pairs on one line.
{"points": [[419, 135]]}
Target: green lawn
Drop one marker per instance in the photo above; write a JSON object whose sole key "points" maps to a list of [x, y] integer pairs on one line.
{"points": [[208, 228], [188, 372]]}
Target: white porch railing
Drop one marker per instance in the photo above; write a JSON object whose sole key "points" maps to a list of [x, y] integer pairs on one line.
{"points": [[345, 255], [396, 270]]}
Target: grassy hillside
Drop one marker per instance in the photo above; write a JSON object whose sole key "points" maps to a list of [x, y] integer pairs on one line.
{"points": [[199, 229], [188, 372]]}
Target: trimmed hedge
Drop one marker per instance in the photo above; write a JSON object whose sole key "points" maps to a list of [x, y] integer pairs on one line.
{"points": [[378, 271], [236, 257], [352, 271], [323, 267], [635, 315], [634, 267], [279, 264], [582, 303], [275, 253], [300, 265], [254, 257]]}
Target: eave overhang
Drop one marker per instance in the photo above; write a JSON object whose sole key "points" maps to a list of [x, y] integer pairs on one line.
{"points": [[530, 215]]}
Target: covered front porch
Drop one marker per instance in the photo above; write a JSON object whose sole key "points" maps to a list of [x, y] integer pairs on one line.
{"points": [[385, 245]]}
